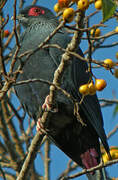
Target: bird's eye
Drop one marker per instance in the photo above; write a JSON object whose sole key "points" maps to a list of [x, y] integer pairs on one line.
{"points": [[35, 11]]}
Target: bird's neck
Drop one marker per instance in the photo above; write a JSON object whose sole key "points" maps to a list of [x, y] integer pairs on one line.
{"points": [[43, 27], [39, 31], [50, 24]]}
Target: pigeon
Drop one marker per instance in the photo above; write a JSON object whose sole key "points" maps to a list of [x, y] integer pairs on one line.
{"points": [[79, 142]]}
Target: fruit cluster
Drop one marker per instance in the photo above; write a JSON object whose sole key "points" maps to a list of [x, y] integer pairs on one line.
{"points": [[91, 88], [68, 13], [95, 32], [100, 84]]}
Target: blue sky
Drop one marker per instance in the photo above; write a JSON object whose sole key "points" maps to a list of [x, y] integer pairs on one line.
{"points": [[59, 160]]}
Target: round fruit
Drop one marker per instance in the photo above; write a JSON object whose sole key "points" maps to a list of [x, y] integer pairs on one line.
{"points": [[113, 152], [83, 4], [105, 158], [116, 29], [64, 3], [95, 32], [116, 73], [57, 7], [100, 84], [98, 4], [6, 33], [68, 15], [108, 63], [83, 89], [92, 89]]}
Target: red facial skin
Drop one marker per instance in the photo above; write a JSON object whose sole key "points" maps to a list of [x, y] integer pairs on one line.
{"points": [[36, 11]]}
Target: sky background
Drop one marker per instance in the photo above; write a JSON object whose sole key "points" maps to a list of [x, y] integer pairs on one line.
{"points": [[59, 159]]}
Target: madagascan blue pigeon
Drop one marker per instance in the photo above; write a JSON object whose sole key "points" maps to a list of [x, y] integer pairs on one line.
{"points": [[80, 142]]}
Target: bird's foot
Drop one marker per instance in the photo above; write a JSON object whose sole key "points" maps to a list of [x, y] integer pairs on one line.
{"points": [[40, 127], [47, 106], [89, 158]]}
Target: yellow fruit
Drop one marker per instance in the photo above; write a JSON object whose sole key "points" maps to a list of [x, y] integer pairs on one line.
{"points": [[98, 4], [95, 32], [64, 3], [116, 73], [108, 63], [68, 15], [83, 89], [113, 152], [116, 29], [83, 4], [57, 7], [92, 89], [105, 157], [100, 84]]}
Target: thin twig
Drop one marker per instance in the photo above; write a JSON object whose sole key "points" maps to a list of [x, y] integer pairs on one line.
{"points": [[35, 144], [85, 171], [111, 133], [47, 160]]}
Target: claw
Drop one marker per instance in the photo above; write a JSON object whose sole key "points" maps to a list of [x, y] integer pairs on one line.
{"points": [[39, 126], [47, 106]]}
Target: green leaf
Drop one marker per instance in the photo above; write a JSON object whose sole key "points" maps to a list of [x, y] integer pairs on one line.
{"points": [[108, 8], [115, 110]]}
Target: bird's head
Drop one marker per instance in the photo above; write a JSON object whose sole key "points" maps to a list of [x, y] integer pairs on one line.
{"points": [[35, 14]]}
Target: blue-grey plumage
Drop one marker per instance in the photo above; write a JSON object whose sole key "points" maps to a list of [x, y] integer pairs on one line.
{"points": [[65, 130]]}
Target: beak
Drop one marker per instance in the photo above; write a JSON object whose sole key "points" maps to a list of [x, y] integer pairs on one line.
{"points": [[18, 17]]}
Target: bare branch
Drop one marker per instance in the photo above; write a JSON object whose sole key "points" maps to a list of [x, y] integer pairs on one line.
{"points": [[85, 171]]}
